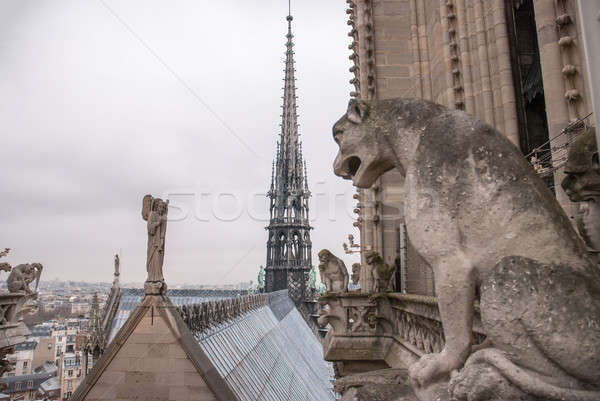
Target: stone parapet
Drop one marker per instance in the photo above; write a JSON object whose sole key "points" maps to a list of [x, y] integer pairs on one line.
{"points": [[387, 329]]}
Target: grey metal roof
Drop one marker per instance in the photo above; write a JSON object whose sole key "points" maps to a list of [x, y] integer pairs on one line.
{"points": [[50, 384], [41, 331], [132, 297], [265, 358], [27, 382], [27, 345]]}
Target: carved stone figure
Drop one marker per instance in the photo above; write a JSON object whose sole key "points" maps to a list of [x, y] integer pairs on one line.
{"points": [[5, 267], [117, 265], [381, 273], [313, 278], [478, 213], [333, 272], [582, 185], [355, 277], [261, 279], [154, 211], [22, 275]]}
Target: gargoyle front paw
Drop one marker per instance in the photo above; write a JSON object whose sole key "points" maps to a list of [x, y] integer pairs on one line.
{"points": [[432, 367]]}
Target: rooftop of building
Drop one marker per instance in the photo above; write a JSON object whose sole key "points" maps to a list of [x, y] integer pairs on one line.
{"points": [[27, 345], [18, 384], [46, 367], [41, 331], [51, 384]]}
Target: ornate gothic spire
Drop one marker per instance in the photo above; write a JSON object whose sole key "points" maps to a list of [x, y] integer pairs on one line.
{"points": [[289, 246], [289, 172], [96, 341]]}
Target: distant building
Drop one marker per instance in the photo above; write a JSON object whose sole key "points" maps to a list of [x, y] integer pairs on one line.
{"points": [[50, 389], [22, 358], [59, 333], [80, 308], [70, 373], [40, 331], [44, 352], [24, 387]]}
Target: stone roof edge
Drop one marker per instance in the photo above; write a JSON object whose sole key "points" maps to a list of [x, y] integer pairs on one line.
{"points": [[132, 321], [169, 313], [199, 359], [110, 309]]}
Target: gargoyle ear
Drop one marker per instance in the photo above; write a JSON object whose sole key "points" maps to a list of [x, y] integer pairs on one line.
{"points": [[357, 111]]}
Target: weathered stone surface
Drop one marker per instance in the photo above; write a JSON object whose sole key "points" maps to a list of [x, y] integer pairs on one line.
{"points": [[472, 202], [378, 385], [582, 185], [151, 365]]}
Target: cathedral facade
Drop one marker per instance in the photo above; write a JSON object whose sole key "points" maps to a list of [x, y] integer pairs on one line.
{"points": [[518, 65]]}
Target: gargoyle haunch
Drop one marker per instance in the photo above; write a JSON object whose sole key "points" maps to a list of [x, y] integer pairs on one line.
{"points": [[487, 221]]}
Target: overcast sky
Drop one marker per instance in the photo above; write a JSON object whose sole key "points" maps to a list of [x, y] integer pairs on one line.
{"points": [[103, 101]]}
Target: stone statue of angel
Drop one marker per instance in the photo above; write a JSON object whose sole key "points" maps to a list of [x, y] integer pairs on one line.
{"points": [[154, 211]]}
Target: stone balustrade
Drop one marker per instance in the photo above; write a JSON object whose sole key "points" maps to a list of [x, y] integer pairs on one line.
{"points": [[200, 318], [389, 329]]}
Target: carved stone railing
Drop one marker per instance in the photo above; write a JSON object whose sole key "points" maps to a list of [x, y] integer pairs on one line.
{"points": [[393, 328], [202, 317], [13, 331]]}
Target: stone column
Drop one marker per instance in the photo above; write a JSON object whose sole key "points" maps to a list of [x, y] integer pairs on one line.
{"points": [[557, 112]]}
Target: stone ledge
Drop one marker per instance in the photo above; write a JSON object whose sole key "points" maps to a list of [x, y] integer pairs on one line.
{"points": [[377, 385]]}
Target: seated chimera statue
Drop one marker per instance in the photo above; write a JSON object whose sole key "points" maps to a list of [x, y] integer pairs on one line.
{"points": [[333, 272], [478, 213], [382, 275], [22, 275]]}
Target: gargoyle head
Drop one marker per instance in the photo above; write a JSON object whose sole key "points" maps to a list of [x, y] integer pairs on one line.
{"points": [[373, 258], [364, 152], [324, 257], [582, 181]]}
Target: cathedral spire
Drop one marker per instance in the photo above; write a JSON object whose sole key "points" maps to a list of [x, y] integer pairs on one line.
{"points": [[289, 246]]}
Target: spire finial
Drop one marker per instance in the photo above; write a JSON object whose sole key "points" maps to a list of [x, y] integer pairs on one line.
{"points": [[289, 16]]}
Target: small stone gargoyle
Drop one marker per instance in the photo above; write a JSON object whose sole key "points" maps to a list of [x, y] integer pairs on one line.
{"points": [[333, 272], [382, 274]]}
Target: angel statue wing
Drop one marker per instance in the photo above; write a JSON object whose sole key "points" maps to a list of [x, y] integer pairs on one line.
{"points": [[146, 206]]}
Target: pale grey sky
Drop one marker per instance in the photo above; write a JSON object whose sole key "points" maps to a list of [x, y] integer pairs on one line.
{"points": [[104, 101]]}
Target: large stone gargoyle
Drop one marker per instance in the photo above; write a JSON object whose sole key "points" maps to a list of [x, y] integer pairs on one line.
{"points": [[480, 216]]}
